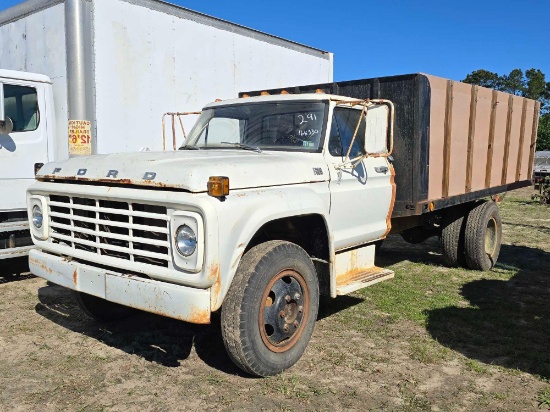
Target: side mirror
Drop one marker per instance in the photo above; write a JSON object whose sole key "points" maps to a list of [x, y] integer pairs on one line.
{"points": [[6, 126], [378, 124]]}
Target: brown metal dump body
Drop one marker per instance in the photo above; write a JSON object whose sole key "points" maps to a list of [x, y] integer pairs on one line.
{"points": [[479, 138], [453, 142]]}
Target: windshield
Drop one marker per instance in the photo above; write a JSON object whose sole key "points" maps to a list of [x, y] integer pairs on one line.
{"points": [[273, 126]]}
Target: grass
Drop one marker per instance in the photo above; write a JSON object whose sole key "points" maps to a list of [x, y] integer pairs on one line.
{"points": [[543, 398], [500, 318], [428, 351], [476, 366]]}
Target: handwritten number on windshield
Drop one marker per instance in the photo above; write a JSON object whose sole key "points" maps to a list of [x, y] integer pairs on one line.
{"points": [[307, 117]]}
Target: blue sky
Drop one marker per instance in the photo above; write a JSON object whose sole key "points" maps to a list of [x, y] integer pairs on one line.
{"points": [[444, 38]]}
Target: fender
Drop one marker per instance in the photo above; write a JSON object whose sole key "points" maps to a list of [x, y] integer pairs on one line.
{"points": [[249, 211]]}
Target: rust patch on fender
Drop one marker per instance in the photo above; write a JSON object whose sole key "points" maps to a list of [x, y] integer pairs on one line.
{"points": [[213, 272], [75, 277], [214, 276], [199, 316], [215, 289]]}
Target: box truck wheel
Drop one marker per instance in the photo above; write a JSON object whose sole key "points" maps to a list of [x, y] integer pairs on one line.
{"points": [[482, 237], [101, 309], [270, 310], [452, 236]]}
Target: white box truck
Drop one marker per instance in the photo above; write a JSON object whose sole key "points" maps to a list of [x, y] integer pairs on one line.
{"points": [[108, 71]]}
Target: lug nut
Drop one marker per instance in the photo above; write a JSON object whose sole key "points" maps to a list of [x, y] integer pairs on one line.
{"points": [[282, 314], [285, 328], [287, 298], [297, 296], [296, 324], [300, 309]]}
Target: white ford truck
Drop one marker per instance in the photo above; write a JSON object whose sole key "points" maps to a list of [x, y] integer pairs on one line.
{"points": [[275, 198]]}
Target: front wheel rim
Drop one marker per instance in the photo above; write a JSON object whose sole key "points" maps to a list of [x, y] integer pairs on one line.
{"points": [[283, 311]]}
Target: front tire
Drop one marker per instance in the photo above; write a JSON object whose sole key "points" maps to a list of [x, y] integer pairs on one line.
{"points": [[483, 236], [101, 309], [270, 310]]}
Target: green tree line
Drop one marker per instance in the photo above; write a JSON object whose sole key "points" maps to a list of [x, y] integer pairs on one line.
{"points": [[531, 84]]}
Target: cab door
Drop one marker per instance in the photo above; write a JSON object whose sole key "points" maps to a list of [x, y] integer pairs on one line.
{"points": [[26, 145], [361, 196]]}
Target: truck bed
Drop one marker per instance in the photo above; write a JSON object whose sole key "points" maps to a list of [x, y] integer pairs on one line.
{"points": [[453, 142]]}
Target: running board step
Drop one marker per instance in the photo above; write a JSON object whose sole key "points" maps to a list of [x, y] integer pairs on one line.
{"points": [[363, 279]]}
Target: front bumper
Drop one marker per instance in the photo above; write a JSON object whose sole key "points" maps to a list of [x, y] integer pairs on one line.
{"points": [[15, 239], [162, 298]]}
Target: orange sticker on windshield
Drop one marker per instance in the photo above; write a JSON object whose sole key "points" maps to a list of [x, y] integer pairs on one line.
{"points": [[80, 137]]}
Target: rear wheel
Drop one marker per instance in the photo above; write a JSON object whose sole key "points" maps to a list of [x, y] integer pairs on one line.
{"points": [[269, 313], [483, 236], [452, 237], [101, 309]]}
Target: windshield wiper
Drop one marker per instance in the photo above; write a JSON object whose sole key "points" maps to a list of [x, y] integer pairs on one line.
{"points": [[244, 146], [189, 148]]}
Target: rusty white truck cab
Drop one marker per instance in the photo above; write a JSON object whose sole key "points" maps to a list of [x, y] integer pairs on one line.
{"points": [[271, 201]]}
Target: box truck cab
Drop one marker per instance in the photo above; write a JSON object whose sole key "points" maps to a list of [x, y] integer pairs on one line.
{"points": [[27, 125]]}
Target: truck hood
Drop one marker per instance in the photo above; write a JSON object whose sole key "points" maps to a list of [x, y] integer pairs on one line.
{"points": [[190, 169]]}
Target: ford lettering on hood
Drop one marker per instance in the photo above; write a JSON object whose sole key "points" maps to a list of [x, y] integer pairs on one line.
{"points": [[190, 170]]}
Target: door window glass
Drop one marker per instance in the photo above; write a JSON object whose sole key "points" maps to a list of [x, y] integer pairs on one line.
{"points": [[21, 106], [344, 123]]}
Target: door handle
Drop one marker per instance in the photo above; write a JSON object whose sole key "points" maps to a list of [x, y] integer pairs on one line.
{"points": [[381, 169]]}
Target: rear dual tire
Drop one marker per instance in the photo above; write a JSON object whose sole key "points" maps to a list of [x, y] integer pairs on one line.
{"points": [[483, 236], [471, 237], [452, 237]]}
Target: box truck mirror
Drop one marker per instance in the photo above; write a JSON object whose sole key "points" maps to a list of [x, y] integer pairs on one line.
{"points": [[6, 126], [2, 113]]}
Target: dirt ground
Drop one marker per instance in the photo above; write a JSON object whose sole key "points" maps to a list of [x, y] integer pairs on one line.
{"points": [[432, 339]]}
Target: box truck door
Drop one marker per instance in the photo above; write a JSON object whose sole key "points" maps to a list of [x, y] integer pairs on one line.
{"points": [[361, 196], [26, 145]]}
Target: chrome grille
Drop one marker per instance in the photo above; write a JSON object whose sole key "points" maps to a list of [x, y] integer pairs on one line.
{"points": [[130, 231]]}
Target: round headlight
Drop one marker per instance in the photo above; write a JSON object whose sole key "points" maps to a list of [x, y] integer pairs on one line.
{"points": [[37, 216], [186, 241]]}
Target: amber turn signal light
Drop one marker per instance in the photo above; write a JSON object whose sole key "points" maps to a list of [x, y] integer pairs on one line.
{"points": [[218, 186]]}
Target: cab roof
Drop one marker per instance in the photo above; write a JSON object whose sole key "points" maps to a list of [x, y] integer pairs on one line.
{"points": [[281, 97], [17, 75]]}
